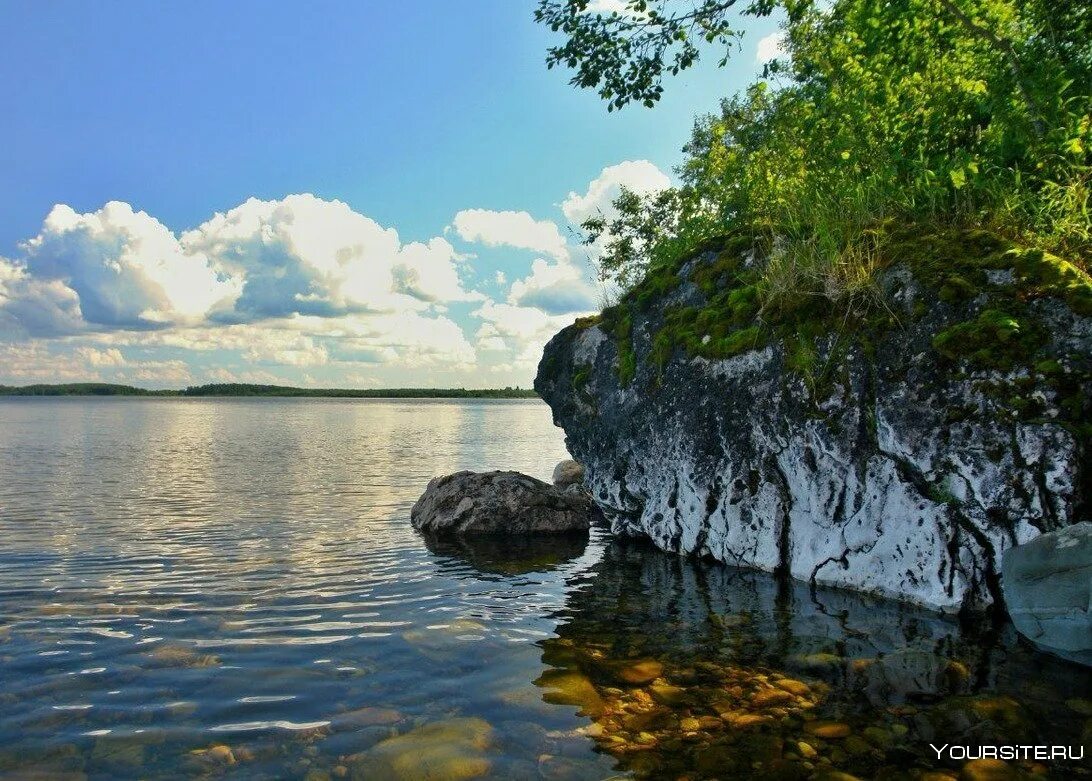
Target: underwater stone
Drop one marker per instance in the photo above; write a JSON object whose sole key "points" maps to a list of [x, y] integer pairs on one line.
{"points": [[1048, 591], [451, 750]]}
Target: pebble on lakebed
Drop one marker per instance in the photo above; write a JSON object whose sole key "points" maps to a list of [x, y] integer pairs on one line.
{"points": [[704, 719]]}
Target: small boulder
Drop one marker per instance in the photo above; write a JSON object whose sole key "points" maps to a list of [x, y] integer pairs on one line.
{"points": [[1047, 585], [499, 503], [568, 473]]}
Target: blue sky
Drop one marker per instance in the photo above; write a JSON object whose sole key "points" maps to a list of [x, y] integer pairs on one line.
{"points": [[436, 163]]}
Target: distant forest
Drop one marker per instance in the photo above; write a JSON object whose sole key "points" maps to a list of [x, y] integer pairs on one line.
{"points": [[244, 389]]}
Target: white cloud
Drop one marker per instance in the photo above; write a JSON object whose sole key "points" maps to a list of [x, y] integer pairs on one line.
{"points": [[173, 373], [771, 47], [608, 7], [110, 357], [510, 229], [640, 176], [34, 362], [522, 330], [276, 290], [309, 256], [555, 288], [35, 307], [126, 268]]}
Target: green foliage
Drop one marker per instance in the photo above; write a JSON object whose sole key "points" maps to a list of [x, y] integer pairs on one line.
{"points": [[80, 389], [624, 54], [950, 113]]}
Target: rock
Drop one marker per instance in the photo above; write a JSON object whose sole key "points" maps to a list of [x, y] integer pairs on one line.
{"points": [[987, 770], [367, 717], [666, 694], [901, 460], [217, 754], [769, 698], [799, 688], [641, 672], [566, 687], [1048, 590], [180, 656], [451, 750], [568, 473], [828, 730], [1083, 707], [499, 503], [492, 554]]}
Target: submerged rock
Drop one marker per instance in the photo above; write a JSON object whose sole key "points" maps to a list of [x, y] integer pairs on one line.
{"points": [[499, 503], [1048, 591], [452, 750], [497, 555], [900, 454]]}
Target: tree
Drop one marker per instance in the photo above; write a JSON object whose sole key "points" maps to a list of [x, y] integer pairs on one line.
{"points": [[953, 112], [625, 53]]}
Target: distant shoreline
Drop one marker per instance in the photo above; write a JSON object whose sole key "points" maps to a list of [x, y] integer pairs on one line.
{"points": [[276, 391]]}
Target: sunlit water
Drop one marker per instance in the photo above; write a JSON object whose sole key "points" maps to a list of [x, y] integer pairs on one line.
{"points": [[207, 588]]}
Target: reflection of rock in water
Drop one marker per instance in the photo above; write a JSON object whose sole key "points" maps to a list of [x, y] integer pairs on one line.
{"points": [[498, 555], [699, 670]]}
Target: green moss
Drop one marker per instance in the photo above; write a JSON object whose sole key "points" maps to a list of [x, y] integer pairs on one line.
{"points": [[1042, 274], [995, 339], [737, 342], [581, 377], [656, 285], [618, 322], [627, 363], [589, 321], [956, 289], [662, 348], [952, 265], [941, 493], [1050, 367]]}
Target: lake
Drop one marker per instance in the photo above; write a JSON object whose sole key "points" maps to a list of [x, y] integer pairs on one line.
{"points": [[231, 588]]}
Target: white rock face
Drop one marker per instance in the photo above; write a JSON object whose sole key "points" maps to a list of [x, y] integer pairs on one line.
{"points": [[902, 476]]}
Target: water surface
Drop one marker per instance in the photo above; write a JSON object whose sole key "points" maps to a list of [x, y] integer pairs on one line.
{"points": [[231, 588]]}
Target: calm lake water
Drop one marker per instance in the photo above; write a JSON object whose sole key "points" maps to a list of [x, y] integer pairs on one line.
{"points": [[231, 588]]}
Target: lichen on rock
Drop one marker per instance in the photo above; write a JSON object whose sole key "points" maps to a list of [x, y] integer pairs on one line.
{"points": [[898, 451]]}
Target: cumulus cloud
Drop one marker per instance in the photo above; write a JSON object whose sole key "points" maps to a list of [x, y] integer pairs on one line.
{"points": [[771, 47], [126, 268], [92, 356], [305, 255], [521, 330], [32, 307], [275, 290], [555, 288], [640, 176], [510, 229]]}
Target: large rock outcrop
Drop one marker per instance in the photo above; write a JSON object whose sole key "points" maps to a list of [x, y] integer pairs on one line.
{"points": [[508, 503], [899, 452]]}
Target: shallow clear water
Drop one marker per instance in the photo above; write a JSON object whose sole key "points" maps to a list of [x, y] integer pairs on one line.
{"points": [[212, 587]]}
